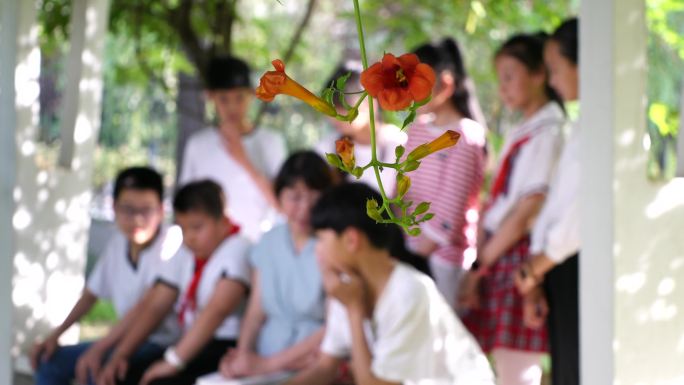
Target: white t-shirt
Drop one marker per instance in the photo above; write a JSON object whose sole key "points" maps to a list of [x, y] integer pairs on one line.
{"points": [[557, 230], [533, 166], [116, 278], [388, 138], [414, 336], [229, 260], [206, 157]]}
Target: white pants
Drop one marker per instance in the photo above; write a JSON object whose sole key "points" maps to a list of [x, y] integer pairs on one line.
{"points": [[447, 277], [517, 367]]}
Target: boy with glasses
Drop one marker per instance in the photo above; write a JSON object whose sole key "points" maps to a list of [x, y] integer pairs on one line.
{"points": [[129, 265]]}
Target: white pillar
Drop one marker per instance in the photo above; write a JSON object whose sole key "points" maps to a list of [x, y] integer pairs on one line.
{"points": [[51, 217], [597, 121], [8, 52], [632, 262]]}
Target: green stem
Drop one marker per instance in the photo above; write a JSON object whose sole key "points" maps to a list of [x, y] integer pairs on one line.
{"points": [[371, 113], [388, 165]]}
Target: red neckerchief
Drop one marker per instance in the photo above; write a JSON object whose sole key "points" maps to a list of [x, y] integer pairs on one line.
{"points": [[190, 301], [500, 185]]}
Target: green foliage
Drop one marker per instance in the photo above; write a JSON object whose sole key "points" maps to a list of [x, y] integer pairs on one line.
{"points": [[101, 312], [665, 19]]}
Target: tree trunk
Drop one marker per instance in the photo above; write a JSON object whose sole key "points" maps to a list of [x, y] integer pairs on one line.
{"points": [[190, 112]]}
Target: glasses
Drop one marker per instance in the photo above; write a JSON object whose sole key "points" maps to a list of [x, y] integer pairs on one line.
{"points": [[129, 212]]}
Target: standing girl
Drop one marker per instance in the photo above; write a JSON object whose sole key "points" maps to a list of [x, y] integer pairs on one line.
{"points": [[518, 191], [452, 178], [555, 237]]}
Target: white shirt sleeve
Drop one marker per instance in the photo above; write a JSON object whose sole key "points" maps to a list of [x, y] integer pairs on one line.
{"points": [[557, 231], [536, 163], [236, 266], [403, 335], [562, 238], [172, 271], [336, 342]]}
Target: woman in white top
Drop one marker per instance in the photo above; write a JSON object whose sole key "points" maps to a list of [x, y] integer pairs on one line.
{"points": [[555, 237], [518, 191]]}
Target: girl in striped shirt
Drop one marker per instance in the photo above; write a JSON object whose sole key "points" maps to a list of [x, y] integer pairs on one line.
{"points": [[452, 178]]}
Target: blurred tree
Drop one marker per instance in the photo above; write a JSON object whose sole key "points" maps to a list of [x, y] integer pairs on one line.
{"points": [[665, 20]]}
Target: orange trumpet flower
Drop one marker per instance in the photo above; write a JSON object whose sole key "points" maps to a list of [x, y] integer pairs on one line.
{"points": [[277, 82]]}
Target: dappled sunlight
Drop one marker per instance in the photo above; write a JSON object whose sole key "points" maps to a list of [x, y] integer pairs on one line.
{"points": [[669, 197]]}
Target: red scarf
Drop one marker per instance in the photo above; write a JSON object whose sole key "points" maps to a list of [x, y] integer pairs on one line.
{"points": [[500, 185], [190, 301]]}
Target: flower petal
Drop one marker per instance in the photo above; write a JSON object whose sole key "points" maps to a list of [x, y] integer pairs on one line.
{"points": [[394, 99], [408, 61], [278, 65], [372, 79], [390, 62]]}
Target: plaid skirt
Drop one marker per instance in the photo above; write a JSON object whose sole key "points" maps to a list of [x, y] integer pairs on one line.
{"points": [[498, 322]]}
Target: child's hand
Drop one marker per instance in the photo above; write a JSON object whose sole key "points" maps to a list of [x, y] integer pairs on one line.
{"points": [[42, 351], [115, 370], [469, 292], [535, 309], [89, 364], [347, 287], [525, 280], [242, 363], [160, 369]]}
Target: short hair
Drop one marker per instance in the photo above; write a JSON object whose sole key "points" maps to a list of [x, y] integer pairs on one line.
{"points": [[204, 196], [307, 167], [567, 36], [446, 56], [139, 178], [528, 50], [226, 72], [344, 206]]}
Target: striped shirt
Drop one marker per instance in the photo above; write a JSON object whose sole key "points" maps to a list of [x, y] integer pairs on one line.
{"points": [[451, 179]]}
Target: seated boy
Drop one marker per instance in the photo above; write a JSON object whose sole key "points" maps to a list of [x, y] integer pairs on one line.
{"points": [[389, 318], [241, 158], [208, 282], [128, 266]]}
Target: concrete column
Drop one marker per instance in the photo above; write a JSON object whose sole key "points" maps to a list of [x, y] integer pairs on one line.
{"points": [[632, 262], [52, 203], [597, 122], [8, 54]]}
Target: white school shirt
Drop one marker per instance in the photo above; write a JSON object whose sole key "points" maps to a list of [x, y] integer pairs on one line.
{"points": [[414, 337], [388, 138], [117, 279], [557, 230], [206, 157], [533, 167], [229, 260]]}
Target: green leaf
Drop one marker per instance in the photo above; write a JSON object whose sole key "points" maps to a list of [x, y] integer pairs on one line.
{"points": [[399, 151], [414, 232], [421, 103], [341, 82], [421, 208], [327, 95], [409, 119], [426, 217]]}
